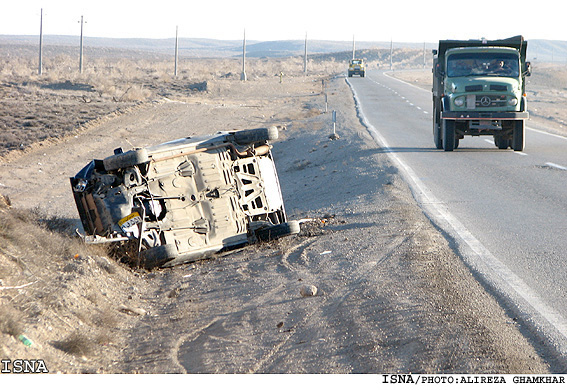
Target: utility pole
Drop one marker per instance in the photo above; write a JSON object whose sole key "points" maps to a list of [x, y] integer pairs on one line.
{"points": [[81, 48], [243, 75], [40, 42], [353, 47], [423, 55], [176, 48], [391, 53], [305, 55]]}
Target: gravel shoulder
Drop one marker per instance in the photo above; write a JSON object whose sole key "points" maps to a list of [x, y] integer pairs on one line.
{"points": [[392, 296]]}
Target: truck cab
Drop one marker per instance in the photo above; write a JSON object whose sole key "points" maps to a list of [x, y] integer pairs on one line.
{"points": [[479, 89]]}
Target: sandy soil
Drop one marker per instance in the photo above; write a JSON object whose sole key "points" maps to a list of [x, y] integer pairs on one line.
{"points": [[391, 294]]}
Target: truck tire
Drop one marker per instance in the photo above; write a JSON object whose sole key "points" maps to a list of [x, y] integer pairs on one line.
{"points": [[250, 136], [437, 135], [448, 128], [277, 231], [126, 160], [501, 142], [518, 137]]}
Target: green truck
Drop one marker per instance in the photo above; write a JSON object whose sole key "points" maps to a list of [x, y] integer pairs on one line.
{"points": [[479, 89]]}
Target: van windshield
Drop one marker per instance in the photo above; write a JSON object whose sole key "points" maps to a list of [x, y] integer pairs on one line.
{"points": [[483, 64]]}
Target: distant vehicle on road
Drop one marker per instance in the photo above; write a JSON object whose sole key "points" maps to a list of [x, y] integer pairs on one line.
{"points": [[356, 66], [186, 199], [479, 89]]}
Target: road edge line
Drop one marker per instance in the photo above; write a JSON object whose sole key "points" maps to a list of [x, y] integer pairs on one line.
{"points": [[505, 284]]}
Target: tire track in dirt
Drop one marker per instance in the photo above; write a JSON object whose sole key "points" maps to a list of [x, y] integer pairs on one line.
{"points": [[339, 296]]}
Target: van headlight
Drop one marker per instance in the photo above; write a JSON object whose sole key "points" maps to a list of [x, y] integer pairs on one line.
{"points": [[513, 101], [460, 101]]}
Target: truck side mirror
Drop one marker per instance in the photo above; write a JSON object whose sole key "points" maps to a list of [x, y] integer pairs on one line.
{"points": [[528, 69], [434, 51]]}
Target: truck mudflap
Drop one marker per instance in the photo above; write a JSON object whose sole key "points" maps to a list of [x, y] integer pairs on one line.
{"points": [[460, 115]]}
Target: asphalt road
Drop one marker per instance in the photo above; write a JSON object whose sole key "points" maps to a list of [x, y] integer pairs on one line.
{"points": [[504, 211]]}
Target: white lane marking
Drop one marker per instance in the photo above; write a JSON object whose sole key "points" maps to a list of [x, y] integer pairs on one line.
{"points": [[404, 82], [534, 310], [546, 133], [557, 166], [390, 89]]}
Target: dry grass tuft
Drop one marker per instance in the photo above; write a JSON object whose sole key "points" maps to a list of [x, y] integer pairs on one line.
{"points": [[11, 321], [76, 344]]}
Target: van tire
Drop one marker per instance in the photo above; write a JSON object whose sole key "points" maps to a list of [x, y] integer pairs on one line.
{"points": [[126, 160], [277, 231], [250, 136], [159, 255]]}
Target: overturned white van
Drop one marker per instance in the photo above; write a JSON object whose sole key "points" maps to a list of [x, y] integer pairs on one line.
{"points": [[186, 199]]}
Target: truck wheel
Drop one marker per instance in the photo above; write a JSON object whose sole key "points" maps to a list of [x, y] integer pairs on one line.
{"points": [[437, 135], [501, 142], [126, 160], [518, 138], [277, 231], [250, 136], [448, 128]]}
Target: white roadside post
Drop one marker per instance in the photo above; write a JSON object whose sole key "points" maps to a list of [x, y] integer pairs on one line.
{"points": [[334, 136]]}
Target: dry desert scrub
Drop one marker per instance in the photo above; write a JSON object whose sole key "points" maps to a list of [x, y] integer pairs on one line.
{"points": [[35, 108], [58, 292]]}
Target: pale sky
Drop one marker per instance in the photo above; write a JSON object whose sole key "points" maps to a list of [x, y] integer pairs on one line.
{"points": [[266, 20]]}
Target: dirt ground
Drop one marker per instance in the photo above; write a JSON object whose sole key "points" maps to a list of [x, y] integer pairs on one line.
{"points": [[392, 297]]}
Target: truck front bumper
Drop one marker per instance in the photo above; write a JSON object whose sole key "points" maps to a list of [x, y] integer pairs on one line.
{"points": [[493, 116]]}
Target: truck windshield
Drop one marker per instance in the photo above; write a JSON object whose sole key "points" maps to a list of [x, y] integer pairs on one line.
{"points": [[483, 64]]}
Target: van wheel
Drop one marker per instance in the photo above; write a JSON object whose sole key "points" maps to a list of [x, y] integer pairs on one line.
{"points": [[126, 160], [250, 136], [277, 231], [159, 255]]}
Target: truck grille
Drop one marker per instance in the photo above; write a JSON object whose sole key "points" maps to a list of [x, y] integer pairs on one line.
{"points": [[488, 101]]}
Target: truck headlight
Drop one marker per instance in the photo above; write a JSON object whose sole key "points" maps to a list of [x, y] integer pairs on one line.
{"points": [[513, 101], [460, 101]]}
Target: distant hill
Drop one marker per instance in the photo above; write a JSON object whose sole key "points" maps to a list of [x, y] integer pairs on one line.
{"points": [[201, 47], [538, 50]]}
